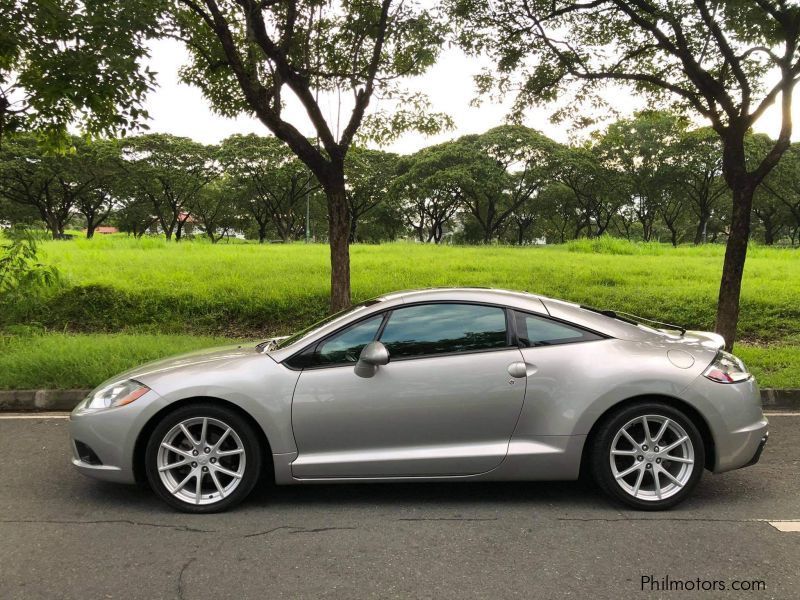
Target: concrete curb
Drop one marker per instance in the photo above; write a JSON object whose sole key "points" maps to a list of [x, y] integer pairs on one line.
{"points": [[40, 400], [59, 400]]}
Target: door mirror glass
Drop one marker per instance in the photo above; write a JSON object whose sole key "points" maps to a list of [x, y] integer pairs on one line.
{"points": [[372, 356]]}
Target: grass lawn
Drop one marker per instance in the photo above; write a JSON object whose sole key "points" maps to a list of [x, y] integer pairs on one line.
{"points": [[141, 290], [71, 361]]}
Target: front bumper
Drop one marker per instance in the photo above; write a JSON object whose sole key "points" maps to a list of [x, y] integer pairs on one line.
{"points": [[103, 441]]}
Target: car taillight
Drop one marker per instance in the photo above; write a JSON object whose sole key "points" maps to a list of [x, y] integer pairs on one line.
{"points": [[726, 368]]}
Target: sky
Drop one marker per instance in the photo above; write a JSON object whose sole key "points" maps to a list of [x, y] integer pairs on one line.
{"points": [[179, 109]]}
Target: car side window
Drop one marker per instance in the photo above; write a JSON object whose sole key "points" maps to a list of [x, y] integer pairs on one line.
{"points": [[345, 346], [444, 328], [538, 331]]}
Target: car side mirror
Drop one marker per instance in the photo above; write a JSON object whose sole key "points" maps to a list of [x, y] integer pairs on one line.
{"points": [[372, 356]]}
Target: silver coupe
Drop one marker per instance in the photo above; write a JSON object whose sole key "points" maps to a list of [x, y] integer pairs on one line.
{"points": [[457, 384]]}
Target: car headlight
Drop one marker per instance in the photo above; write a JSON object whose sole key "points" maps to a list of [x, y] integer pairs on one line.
{"points": [[726, 368], [116, 394]]}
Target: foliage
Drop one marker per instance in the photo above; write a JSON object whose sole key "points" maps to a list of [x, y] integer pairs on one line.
{"points": [[74, 61], [129, 300], [273, 184], [715, 59], [114, 282], [168, 172], [21, 273], [35, 359]]}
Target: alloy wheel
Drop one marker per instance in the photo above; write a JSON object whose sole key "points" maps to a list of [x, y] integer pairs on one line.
{"points": [[201, 460], [652, 457]]}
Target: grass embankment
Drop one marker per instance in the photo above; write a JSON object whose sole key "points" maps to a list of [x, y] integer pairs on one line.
{"points": [[139, 288]]}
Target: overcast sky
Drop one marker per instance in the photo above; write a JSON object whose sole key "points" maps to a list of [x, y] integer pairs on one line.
{"points": [[181, 110]]}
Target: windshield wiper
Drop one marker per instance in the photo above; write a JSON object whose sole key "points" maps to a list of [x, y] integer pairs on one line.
{"points": [[633, 319], [270, 344]]}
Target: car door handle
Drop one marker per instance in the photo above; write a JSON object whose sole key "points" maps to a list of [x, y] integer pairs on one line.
{"points": [[521, 369]]}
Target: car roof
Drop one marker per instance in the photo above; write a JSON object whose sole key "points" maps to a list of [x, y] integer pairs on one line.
{"points": [[520, 300]]}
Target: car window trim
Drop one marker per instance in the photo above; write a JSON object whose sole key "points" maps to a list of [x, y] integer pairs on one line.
{"points": [[601, 336], [511, 340]]}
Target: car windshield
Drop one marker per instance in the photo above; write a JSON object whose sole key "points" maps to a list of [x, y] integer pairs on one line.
{"points": [[293, 339]]}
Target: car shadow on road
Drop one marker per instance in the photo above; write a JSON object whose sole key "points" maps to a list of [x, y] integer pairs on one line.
{"points": [[574, 495]]}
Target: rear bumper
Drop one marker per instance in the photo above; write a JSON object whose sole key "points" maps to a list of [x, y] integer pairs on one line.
{"points": [[735, 419], [760, 449]]}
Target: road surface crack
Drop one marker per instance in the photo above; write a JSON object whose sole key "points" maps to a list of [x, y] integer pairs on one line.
{"points": [[448, 519], [321, 529], [185, 566], [184, 528], [293, 530]]}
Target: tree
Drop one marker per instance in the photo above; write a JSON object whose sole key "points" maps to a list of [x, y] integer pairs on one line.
{"points": [[638, 151], [45, 182], [169, 172], [248, 55], [215, 207], [783, 186], [594, 187], [275, 183], [369, 176], [135, 216], [74, 61], [519, 165], [430, 185], [558, 204], [99, 163], [701, 56], [699, 155]]}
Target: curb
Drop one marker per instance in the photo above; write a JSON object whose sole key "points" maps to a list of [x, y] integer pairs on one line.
{"points": [[40, 400], [772, 399], [66, 400]]}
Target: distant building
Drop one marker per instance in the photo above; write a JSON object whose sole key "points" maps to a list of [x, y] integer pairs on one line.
{"points": [[104, 230]]}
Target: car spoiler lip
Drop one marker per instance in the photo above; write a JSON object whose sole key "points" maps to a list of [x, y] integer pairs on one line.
{"points": [[634, 319]]}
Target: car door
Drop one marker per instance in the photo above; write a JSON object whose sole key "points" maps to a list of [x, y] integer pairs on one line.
{"points": [[445, 403]]}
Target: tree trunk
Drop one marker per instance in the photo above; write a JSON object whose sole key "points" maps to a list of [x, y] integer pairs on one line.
{"points": [[700, 233], [733, 267], [338, 234], [769, 233], [353, 228]]}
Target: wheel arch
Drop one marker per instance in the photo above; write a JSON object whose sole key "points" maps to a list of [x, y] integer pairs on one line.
{"points": [[144, 434], [690, 411]]}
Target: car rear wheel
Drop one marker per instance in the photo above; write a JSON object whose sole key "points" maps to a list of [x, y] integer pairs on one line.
{"points": [[650, 456], [203, 458]]}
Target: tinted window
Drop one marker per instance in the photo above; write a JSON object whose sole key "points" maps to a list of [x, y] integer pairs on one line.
{"points": [[349, 312], [538, 331], [345, 346], [440, 328]]}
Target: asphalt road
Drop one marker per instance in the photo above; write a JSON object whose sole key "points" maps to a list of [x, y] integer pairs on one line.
{"points": [[64, 536]]}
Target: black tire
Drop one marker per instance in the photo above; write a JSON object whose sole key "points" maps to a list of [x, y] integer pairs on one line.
{"points": [[600, 455], [250, 444]]}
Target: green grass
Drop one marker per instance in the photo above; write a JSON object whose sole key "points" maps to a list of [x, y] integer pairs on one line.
{"points": [[65, 361], [146, 287], [247, 289], [773, 366], [72, 361]]}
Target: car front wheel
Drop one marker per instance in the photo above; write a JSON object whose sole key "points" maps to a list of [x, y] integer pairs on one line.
{"points": [[650, 456], [203, 458]]}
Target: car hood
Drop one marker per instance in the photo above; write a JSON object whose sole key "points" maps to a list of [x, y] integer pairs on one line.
{"points": [[213, 357]]}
